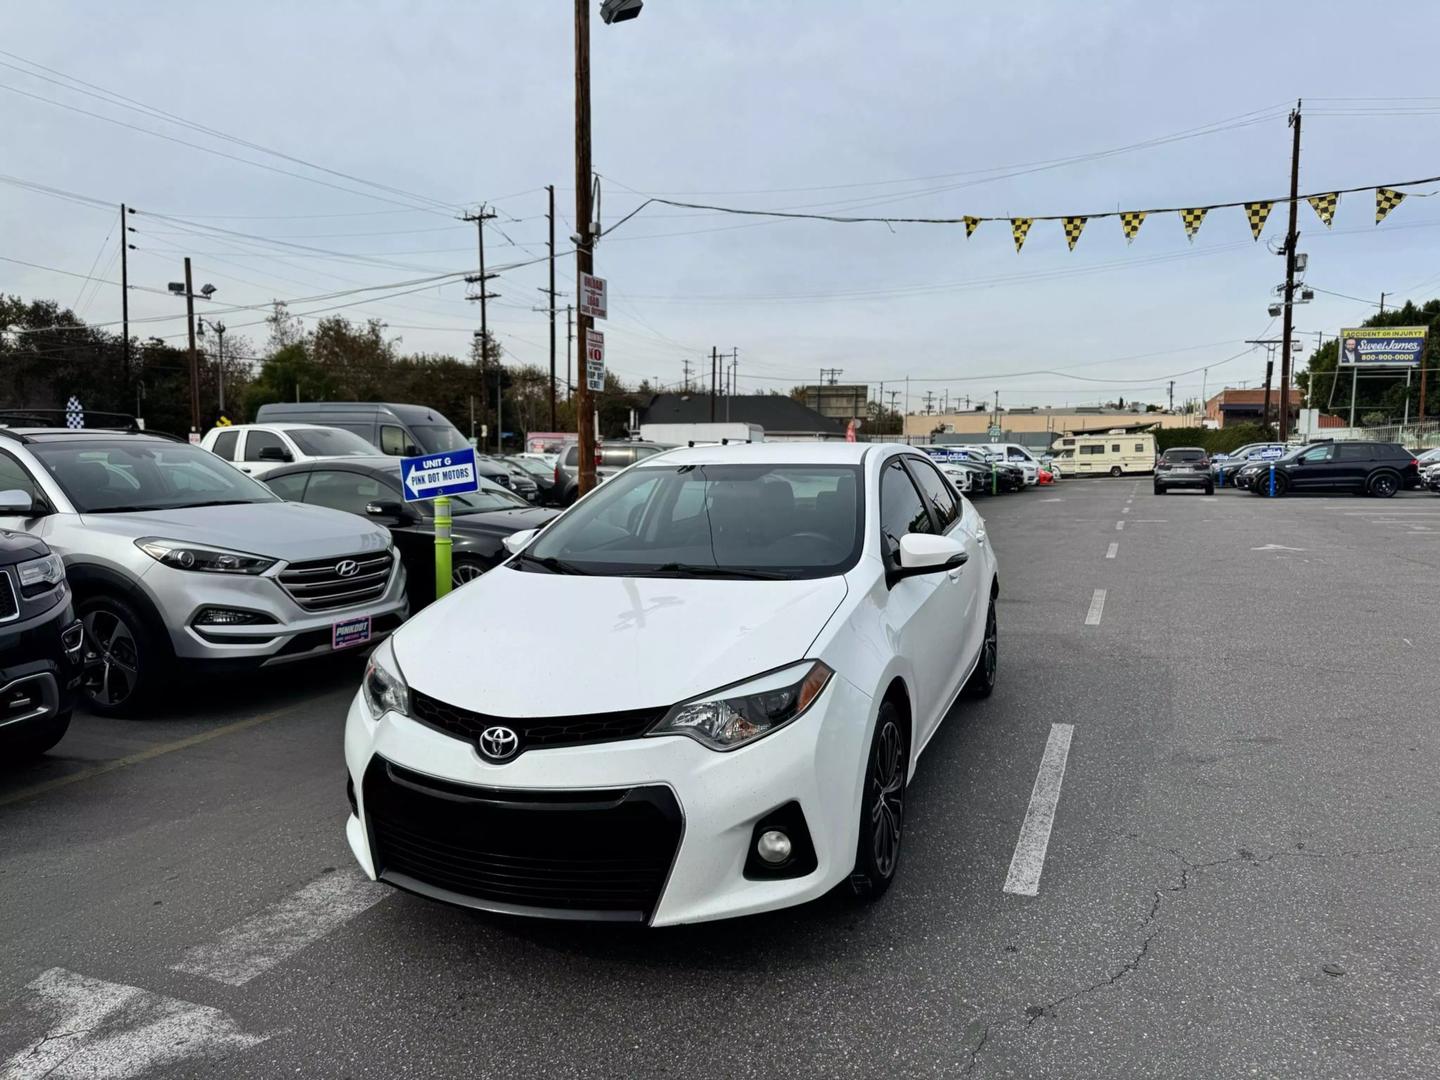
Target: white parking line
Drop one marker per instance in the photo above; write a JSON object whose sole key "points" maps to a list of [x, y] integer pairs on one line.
{"points": [[1112, 549], [1119, 525], [90, 1028], [1029, 858], [257, 944], [1124, 510], [1097, 605]]}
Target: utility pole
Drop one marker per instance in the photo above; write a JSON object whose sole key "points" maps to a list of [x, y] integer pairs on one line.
{"points": [[124, 301], [551, 189], [1269, 344], [569, 337], [1382, 303], [194, 361], [1292, 238], [714, 369], [482, 277], [929, 402], [686, 365], [219, 328], [584, 249], [1172, 395]]}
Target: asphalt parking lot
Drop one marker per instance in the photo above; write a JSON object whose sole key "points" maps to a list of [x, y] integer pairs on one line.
{"points": [[1223, 707]]}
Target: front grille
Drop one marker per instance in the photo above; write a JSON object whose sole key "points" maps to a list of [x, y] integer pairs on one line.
{"points": [[9, 606], [318, 585], [602, 854], [537, 732]]}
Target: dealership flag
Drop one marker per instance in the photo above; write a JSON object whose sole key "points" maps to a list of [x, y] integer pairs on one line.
{"points": [[1192, 219], [1325, 206], [1386, 200], [1130, 221], [1019, 227], [971, 224], [1256, 213], [1073, 227]]}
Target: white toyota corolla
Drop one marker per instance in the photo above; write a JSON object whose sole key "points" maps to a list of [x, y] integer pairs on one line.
{"points": [[699, 693]]}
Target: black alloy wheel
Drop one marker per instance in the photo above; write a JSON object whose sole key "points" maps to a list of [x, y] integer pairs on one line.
{"points": [[118, 656], [1383, 485], [882, 807], [982, 679]]}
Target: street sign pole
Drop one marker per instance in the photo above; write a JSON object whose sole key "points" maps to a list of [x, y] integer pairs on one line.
{"points": [[442, 546]]}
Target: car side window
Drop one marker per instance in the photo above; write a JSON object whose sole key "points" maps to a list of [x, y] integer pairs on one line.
{"points": [[256, 441], [1139, 448], [290, 488], [225, 445], [392, 440], [343, 490], [15, 477], [1115, 448], [902, 510], [1319, 453], [1016, 455], [933, 484]]}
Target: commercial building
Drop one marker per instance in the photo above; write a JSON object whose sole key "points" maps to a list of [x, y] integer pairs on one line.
{"points": [[1231, 406], [783, 418], [1033, 426]]}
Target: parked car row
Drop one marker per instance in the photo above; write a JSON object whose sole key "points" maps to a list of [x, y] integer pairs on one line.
{"points": [[1357, 467]]}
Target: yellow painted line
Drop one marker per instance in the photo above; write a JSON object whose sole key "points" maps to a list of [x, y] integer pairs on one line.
{"points": [[143, 755]]}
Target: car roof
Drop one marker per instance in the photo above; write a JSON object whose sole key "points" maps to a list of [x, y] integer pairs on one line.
{"points": [[778, 453], [59, 434], [276, 425]]}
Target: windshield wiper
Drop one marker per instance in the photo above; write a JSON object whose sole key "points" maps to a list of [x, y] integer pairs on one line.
{"points": [[217, 502], [554, 565], [699, 570]]}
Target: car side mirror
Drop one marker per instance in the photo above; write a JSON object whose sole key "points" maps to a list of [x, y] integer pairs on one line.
{"points": [[16, 501], [926, 553], [275, 453], [388, 509], [516, 541]]}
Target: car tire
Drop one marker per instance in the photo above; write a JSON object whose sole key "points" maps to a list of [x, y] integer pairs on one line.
{"points": [[1209, 489], [1115, 470], [1383, 485], [123, 657], [465, 570], [882, 807], [982, 679], [35, 743], [1159, 490]]}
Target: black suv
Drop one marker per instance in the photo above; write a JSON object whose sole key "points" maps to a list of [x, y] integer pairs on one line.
{"points": [[1373, 468], [42, 645], [1181, 467]]}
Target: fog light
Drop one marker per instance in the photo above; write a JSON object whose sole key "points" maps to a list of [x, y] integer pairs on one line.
{"points": [[212, 616], [773, 846]]}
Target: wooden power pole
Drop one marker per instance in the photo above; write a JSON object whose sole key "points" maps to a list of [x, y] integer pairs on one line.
{"points": [[1291, 239], [584, 249]]}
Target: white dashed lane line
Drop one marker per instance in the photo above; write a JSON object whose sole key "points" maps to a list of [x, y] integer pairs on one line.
{"points": [[1119, 525], [1097, 607], [1028, 861], [1112, 550]]}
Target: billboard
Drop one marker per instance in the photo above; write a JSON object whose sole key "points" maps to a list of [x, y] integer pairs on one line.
{"points": [[1391, 346]]}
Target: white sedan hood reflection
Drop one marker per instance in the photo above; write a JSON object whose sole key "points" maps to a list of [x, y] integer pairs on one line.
{"points": [[517, 644]]}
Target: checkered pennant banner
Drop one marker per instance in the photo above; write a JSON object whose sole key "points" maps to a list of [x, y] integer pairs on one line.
{"points": [[74, 414], [1191, 219], [1074, 226], [971, 224], [1386, 199], [1020, 228], [1257, 213], [1324, 206], [1130, 222]]}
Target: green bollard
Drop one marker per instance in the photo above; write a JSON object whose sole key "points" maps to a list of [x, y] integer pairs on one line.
{"points": [[994, 480], [442, 546]]}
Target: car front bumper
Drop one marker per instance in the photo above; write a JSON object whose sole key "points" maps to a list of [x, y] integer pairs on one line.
{"points": [[817, 761], [39, 669]]}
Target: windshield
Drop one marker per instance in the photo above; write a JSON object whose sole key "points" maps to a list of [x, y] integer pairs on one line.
{"points": [[772, 520], [330, 442], [105, 476], [1184, 455], [534, 466], [436, 438]]}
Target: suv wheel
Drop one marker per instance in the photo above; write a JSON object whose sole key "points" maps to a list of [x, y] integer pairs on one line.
{"points": [[1383, 485], [1114, 470], [119, 655]]}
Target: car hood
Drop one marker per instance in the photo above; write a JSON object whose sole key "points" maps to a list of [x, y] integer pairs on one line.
{"points": [[501, 522], [281, 530], [518, 644]]}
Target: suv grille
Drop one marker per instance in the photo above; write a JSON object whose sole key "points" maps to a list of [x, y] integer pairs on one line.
{"points": [[584, 853], [319, 585], [536, 732], [9, 607]]}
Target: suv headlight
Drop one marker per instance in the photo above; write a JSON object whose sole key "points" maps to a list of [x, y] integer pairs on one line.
{"points": [[743, 712], [40, 575], [384, 686], [182, 556]]}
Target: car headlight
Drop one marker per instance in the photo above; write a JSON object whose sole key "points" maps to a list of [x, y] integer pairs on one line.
{"points": [[182, 556], [384, 687], [743, 712], [40, 575]]}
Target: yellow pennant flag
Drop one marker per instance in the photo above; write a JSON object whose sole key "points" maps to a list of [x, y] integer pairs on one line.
{"points": [[1256, 213], [971, 224], [1130, 222], [1192, 219], [1019, 227], [1324, 206], [1386, 200], [1073, 227]]}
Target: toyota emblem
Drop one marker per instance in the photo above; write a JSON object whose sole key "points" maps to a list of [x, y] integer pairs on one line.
{"points": [[347, 568], [499, 743]]}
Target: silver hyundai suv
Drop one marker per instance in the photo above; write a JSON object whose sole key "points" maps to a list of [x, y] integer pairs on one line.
{"points": [[178, 559]]}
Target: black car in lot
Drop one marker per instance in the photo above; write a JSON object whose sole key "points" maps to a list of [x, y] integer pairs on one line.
{"points": [[541, 473], [1184, 467], [1355, 466], [370, 487], [42, 644]]}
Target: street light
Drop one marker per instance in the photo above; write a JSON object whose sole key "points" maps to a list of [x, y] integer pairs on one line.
{"points": [[611, 11]]}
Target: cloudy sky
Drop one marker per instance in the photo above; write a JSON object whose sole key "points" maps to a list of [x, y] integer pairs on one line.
{"points": [[421, 110]]}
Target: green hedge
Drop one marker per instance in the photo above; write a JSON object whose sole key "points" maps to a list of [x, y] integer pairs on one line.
{"points": [[1214, 440]]}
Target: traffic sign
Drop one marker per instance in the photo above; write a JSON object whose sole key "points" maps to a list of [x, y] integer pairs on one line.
{"points": [[433, 475], [592, 296], [594, 360]]}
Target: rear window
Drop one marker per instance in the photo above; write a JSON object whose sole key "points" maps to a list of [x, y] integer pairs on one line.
{"points": [[1185, 454]]}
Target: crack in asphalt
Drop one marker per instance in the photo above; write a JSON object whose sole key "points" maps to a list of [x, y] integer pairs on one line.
{"points": [[975, 1051]]}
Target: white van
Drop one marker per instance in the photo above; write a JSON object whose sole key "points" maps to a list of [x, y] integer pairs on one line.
{"points": [[1113, 454], [1012, 453]]}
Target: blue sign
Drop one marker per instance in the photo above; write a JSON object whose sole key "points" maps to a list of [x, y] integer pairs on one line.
{"points": [[449, 473], [1394, 346]]}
